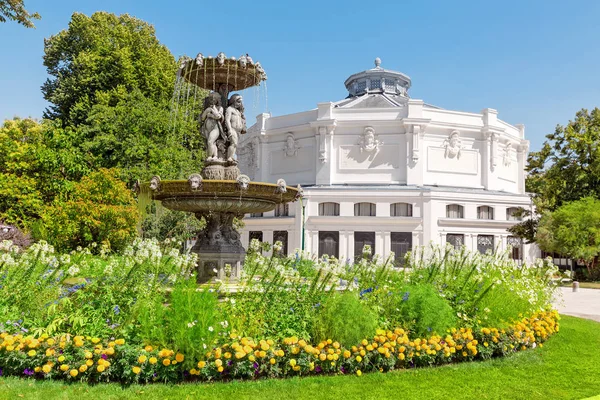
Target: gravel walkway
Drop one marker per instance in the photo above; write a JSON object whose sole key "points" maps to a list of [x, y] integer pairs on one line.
{"points": [[585, 303]]}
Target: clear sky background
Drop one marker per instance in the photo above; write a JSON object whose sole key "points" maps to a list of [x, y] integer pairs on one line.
{"points": [[536, 62]]}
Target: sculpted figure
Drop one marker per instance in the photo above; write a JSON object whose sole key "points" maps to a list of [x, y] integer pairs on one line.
{"points": [[211, 118], [291, 146], [195, 182], [199, 60], [242, 61], [368, 142], [281, 186], [155, 183], [243, 181], [221, 58], [506, 159], [453, 145], [235, 121]]}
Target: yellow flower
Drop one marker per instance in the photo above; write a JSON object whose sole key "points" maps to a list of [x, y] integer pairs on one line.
{"points": [[73, 373], [50, 342], [83, 368], [61, 358], [358, 358], [95, 340], [110, 351], [37, 369], [358, 372], [148, 348], [227, 355], [152, 360], [347, 354], [120, 341], [179, 357], [142, 359], [272, 361], [46, 368], [322, 356], [218, 362], [201, 364], [166, 362], [293, 362], [64, 367], [220, 369], [88, 354], [31, 353], [100, 368], [296, 368], [89, 363], [136, 370]]}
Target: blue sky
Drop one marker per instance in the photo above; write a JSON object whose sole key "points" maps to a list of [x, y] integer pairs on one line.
{"points": [[536, 62]]}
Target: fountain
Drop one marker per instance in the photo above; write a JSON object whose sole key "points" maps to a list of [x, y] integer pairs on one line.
{"points": [[220, 192]]}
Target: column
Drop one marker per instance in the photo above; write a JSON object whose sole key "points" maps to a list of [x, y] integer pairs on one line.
{"points": [[379, 244]]}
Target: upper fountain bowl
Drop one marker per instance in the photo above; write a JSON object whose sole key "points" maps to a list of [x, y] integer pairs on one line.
{"points": [[212, 72]]}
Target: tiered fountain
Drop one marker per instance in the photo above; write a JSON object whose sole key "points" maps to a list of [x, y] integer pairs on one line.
{"points": [[220, 193]]}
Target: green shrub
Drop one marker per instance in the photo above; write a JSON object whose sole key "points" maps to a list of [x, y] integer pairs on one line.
{"points": [[343, 316], [100, 209], [422, 310]]}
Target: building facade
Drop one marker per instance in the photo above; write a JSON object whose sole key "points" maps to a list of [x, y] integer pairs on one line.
{"points": [[383, 169]]}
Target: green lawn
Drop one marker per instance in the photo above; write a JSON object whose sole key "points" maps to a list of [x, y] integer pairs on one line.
{"points": [[565, 368]]}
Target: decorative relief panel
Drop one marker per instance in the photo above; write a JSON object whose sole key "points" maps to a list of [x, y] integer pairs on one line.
{"points": [[467, 163], [354, 157]]}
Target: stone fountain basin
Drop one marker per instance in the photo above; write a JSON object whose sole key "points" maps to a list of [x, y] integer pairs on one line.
{"points": [[223, 196]]}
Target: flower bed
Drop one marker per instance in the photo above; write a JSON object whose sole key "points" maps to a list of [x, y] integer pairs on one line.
{"points": [[78, 358]]}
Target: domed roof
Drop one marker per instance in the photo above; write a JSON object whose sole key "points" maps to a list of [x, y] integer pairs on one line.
{"points": [[378, 80]]}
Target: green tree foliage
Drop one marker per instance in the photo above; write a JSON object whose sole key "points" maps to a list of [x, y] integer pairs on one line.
{"points": [[573, 230], [104, 55], [567, 168], [14, 10], [100, 209], [37, 162], [168, 224]]}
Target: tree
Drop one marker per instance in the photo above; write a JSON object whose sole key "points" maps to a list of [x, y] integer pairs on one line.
{"points": [[14, 10], [574, 231], [104, 55], [567, 168], [100, 209]]}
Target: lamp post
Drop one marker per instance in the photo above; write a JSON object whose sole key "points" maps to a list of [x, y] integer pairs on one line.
{"points": [[303, 201]]}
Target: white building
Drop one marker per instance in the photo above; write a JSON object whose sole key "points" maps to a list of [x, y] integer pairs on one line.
{"points": [[383, 169]]}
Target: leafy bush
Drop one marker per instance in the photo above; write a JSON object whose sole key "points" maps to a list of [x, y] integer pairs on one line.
{"points": [[344, 317], [100, 209]]}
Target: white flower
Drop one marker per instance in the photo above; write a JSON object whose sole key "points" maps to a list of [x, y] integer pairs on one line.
{"points": [[73, 270], [210, 329]]}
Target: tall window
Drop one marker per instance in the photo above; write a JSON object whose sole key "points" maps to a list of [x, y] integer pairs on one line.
{"points": [[516, 245], [365, 210], [329, 243], [281, 236], [401, 244], [456, 240], [454, 211], [510, 214], [258, 235], [485, 243], [329, 209], [282, 210], [401, 210], [360, 240], [485, 212]]}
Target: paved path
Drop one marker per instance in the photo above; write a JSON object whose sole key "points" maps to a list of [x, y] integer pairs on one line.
{"points": [[585, 303]]}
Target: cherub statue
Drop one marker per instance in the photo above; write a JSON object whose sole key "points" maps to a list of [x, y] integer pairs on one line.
{"points": [[235, 121], [453, 145], [212, 118]]}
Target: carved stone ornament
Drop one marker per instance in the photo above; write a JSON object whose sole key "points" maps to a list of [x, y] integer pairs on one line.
{"points": [[200, 60], [299, 193], [195, 181], [506, 158], [368, 141], [281, 186], [155, 183], [243, 181], [291, 147], [453, 145]]}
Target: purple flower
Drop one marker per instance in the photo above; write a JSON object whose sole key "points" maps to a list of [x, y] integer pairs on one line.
{"points": [[318, 369], [28, 372], [255, 365], [104, 357]]}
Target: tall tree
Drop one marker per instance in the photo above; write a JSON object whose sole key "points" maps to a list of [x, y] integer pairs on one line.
{"points": [[104, 55], [567, 168], [14, 10]]}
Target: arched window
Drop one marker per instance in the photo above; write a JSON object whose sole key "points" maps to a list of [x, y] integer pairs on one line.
{"points": [[329, 209], [455, 211], [364, 210], [511, 214], [485, 212], [401, 210]]}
